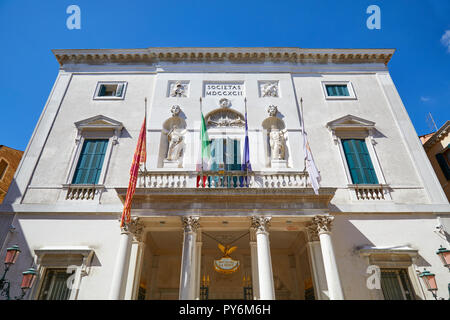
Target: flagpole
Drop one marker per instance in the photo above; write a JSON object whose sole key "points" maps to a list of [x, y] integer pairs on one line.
{"points": [[145, 162], [201, 143], [303, 131], [246, 129]]}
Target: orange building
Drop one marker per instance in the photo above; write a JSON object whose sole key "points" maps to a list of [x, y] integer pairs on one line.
{"points": [[9, 161], [437, 147]]}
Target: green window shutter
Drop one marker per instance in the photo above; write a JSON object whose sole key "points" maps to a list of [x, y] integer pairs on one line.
{"points": [[359, 162], [90, 163], [102, 90], [444, 165], [336, 90], [217, 146], [119, 90]]}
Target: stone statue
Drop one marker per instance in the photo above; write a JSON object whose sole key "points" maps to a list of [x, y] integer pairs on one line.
{"points": [[270, 89], [175, 137], [277, 143], [272, 110], [178, 90]]}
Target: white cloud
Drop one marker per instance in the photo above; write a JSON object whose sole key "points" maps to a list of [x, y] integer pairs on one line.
{"points": [[445, 40], [425, 99]]}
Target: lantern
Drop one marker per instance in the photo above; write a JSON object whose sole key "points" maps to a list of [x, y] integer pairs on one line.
{"points": [[28, 278], [430, 282], [11, 255], [444, 254]]}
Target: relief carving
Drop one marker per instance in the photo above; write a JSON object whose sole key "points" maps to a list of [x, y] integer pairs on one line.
{"points": [[269, 89]]}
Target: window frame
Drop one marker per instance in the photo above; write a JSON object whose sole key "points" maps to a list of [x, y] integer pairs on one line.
{"points": [[98, 127], [398, 277], [78, 258], [100, 83], [351, 91], [2, 174]]}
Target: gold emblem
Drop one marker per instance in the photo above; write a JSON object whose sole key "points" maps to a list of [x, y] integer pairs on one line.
{"points": [[226, 264]]}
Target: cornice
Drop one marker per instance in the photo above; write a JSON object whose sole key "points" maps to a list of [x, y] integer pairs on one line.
{"points": [[438, 136], [234, 55]]}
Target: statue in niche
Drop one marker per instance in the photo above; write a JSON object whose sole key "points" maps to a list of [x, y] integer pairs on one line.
{"points": [[272, 110], [270, 89], [178, 90], [277, 143], [175, 137]]}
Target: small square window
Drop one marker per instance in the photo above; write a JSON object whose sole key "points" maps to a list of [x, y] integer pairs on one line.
{"points": [[110, 90], [338, 90]]}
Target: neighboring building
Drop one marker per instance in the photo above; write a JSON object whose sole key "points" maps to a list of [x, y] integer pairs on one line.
{"points": [[9, 161], [378, 204], [437, 147]]}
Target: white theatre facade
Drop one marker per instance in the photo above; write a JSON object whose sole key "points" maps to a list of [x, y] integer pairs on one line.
{"points": [[257, 234]]}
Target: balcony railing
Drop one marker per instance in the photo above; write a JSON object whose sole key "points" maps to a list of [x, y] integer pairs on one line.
{"points": [[82, 191], [371, 191], [222, 179]]}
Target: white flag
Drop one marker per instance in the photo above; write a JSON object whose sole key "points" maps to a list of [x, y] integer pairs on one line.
{"points": [[313, 173]]}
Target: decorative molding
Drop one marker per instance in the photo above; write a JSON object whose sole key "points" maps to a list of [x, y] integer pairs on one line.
{"points": [[178, 89], [224, 118], [97, 123], [322, 224], [351, 123], [311, 233], [260, 223], [272, 110], [136, 227], [190, 223], [269, 89], [189, 54]]}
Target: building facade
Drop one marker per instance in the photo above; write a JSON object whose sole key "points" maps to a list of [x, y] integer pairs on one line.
{"points": [[219, 232], [437, 147], [9, 161]]}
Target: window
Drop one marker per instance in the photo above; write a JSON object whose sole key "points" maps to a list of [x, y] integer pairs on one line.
{"points": [[338, 90], [55, 285], [110, 90], [396, 285], [225, 154], [90, 161], [443, 160], [3, 167], [359, 162]]}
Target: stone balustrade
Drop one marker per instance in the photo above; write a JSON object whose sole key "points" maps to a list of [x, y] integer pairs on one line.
{"points": [[222, 179], [370, 191], [82, 191]]}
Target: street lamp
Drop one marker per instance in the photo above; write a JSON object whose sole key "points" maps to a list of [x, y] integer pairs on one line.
{"points": [[430, 282], [444, 254], [28, 278]]}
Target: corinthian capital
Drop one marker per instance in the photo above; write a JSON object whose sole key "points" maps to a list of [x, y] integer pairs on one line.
{"points": [[190, 223], [321, 224], [261, 223], [136, 227]]}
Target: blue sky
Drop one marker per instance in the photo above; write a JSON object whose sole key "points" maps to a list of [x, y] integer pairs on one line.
{"points": [[420, 67]]}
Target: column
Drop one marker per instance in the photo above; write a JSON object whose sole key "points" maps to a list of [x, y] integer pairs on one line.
{"points": [[190, 226], [198, 264], [136, 255], [265, 275], [121, 266], [316, 263], [322, 225], [254, 258]]}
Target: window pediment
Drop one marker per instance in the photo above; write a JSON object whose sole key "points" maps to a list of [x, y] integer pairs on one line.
{"points": [[350, 122], [99, 122]]}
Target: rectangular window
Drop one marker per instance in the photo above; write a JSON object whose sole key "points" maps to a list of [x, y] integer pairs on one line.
{"points": [[55, 285], [110, 90], [337, 90], [3, 167], [396, 285], [90, 162], [225, 154], [359, 162], [443, 160]]}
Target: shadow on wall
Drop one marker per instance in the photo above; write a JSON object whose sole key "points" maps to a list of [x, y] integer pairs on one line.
{"points": [[353, 268]]}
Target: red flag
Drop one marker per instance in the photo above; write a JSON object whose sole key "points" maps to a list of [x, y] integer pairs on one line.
{"points": [[140, 156]]}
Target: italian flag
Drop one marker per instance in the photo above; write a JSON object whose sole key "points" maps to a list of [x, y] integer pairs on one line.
{"points": [[205, 148], [204, 158]]}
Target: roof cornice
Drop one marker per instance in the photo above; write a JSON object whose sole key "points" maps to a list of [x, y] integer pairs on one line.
{"points": [[222, 54], [438, 136]]}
